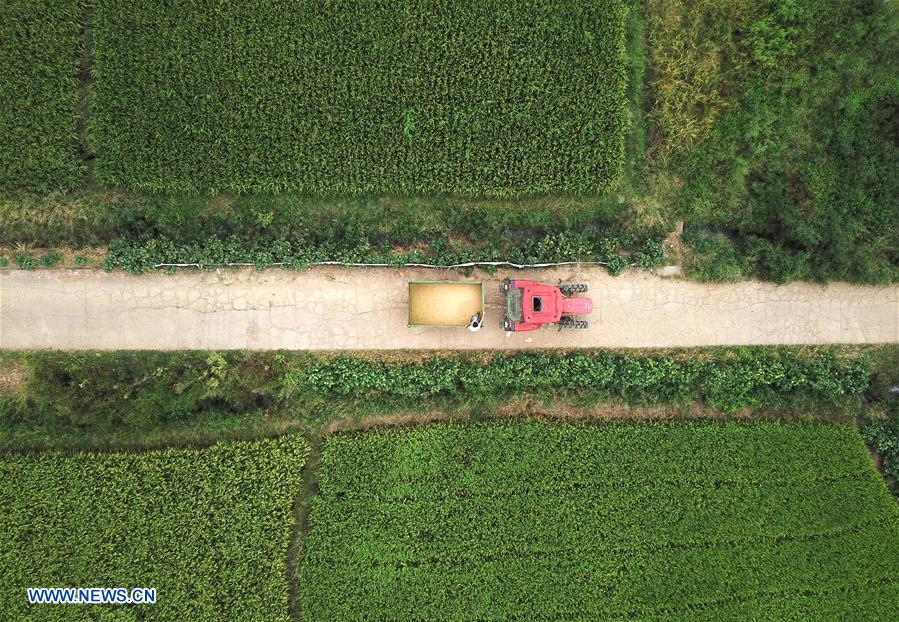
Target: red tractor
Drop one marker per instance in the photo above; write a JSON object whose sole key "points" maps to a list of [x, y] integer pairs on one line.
{"points": [[530, 305]]}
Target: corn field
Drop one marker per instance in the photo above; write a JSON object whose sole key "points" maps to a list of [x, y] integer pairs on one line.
{"points": [[478, 98], [40, 57]]}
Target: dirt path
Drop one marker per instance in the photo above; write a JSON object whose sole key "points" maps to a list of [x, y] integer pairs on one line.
{"points": [[332, 308]]}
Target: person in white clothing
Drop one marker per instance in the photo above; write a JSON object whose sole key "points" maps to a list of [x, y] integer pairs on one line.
{"points": [[475, 324]]}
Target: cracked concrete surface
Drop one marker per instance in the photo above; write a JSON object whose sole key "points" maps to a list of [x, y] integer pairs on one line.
{"points": [[332, 308]]}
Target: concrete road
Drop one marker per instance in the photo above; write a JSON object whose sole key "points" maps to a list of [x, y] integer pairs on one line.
{"points": [[363, 308]]}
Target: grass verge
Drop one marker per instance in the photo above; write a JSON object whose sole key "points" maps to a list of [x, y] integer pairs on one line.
{"points": [[141, 399]]}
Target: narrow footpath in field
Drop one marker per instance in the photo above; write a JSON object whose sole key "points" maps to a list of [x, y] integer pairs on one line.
{"points": [[366, 308]]}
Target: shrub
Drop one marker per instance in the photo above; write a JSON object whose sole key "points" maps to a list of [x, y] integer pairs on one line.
{"points": [[50, 259], [883, 437], [535, 521], [3, 261], [754, 377], [138, 390], [81, 260], [40, 52], [25, 262], [139, 255], [209, 529], [449, 97], [807, 200], [713, 258]]}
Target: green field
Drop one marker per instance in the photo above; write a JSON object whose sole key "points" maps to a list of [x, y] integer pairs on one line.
{"points": [[529, 131], [209, 529], [40, 63], [467, 98], [139, 399], [642, 521]]}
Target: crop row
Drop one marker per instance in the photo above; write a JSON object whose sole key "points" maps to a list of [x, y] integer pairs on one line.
{"points": [[423, 97], [406, 525], [209, 529], [637, 455], [143, 254], [591, 582], [750, 379], [875, 598], [40, 56]]}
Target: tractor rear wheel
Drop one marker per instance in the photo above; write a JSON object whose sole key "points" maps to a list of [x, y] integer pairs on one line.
{"points": [[576, 288], [567, 322]]}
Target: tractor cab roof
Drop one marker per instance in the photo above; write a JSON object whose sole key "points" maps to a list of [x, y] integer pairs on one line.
{"points": [[540, 304]]}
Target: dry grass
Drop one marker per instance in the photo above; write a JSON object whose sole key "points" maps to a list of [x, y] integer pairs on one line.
{"points": [[13, 376], [529, 408], [674, 245], [349, 424]]}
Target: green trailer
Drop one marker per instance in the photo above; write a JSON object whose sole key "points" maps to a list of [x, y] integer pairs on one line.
{"points": [[445, 303]]}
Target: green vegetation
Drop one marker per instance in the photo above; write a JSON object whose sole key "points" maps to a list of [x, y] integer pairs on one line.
{"points": [[749, 377], [40, 56], [536, 521], [143, 254], [458, 97], [713, 258], [140, 399], [769, 127], [779, 119], [813, 486], [881, 431], [142, 231], [209, 529], [883, 437], [444, 132], [25, 262], [50, 259]]}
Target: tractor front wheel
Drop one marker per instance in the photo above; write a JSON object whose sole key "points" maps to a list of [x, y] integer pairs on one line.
{"points": [[567, 322], [576, 288]]}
